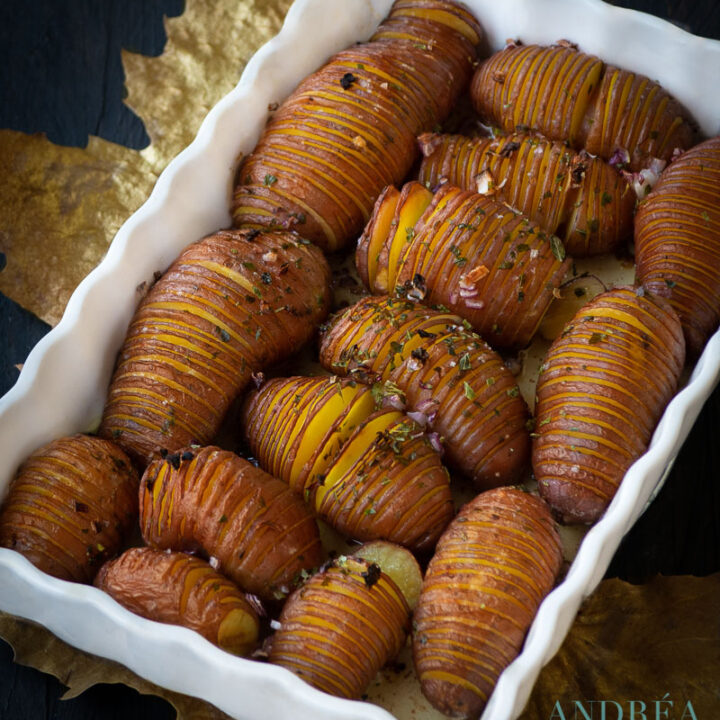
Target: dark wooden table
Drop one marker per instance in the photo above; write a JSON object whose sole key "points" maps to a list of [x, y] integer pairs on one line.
{"points": [[60, 73]]}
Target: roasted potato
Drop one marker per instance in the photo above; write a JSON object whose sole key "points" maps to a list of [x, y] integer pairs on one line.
{"points": [[227, 307], [369, 473], [349, 129], [603, 386], [677, 241], [179, 589], [453, 381], [475, 255], [587, 203], [492, 568], [568, 95], [254, 528], [70, 506], [346, 622]]}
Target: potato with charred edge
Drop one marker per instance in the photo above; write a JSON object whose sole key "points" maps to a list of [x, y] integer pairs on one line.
{"points": [[448, 375], [492, 568], [370, 473], [71, 506], [230, 305], [582, 199], [349, 129], [603, 386], [179, 589], [568, 95], [346, 622], [677, 241], [206, 499], [469, 252]]}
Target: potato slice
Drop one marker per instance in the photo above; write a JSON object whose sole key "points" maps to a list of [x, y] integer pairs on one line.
{"points": [[71, 506], [349, 129], [493, 566], [368, 474], [603, 386], [448, 375], [179, 589], [677, 241], [341, 627], [568, 95], [582, 199], [207, 499], [397, 563], [230, 305]]}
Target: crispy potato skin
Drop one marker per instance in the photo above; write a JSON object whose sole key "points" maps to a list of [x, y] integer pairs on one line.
{"points": [[582, 199], [182, 590], [568, 95], [446, 372], [227, 307], [493, 566], [341, 627], [70, 506], [604, 384], [394, 488], [210, 500], [349, 129], [479, 258], [677, 241]]}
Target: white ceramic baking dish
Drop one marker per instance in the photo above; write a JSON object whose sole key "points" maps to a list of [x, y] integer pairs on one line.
{"points": [[62, 386]]}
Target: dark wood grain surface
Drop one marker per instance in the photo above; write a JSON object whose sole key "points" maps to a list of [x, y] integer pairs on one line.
{"points": [[60, 73]]}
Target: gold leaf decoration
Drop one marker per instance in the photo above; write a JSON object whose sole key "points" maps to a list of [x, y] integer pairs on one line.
{"points": [[637, 643], [62, 206], [39, 648]]}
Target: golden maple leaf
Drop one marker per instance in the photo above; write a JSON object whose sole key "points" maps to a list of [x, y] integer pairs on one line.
{"points": [[62, 206]]}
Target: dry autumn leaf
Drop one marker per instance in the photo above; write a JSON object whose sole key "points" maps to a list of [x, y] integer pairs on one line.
{"points": [[39, 648], [638, 643], [64, 205]]}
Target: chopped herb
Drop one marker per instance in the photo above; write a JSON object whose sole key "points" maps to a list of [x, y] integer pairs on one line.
{"points": [[372, 575], [596, 337], [469, 392], [513, 391], [266, 278], [558, 249], [459, 259], [249, 266], [223, 519], [464, 362], [606, 199], [409, 234], [224, 334], [269, 180], [347, 80], [670, 283]]}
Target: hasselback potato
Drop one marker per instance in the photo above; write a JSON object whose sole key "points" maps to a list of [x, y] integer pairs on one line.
{"points": [[587, 203], [492, 568], [349, 129], [344, 624], [603, 386], [179, 589], [371, 474], [258, 532], [568, 95], [475, 255], [70, 506], [447, 374], [677, 241], [228, 306]]}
